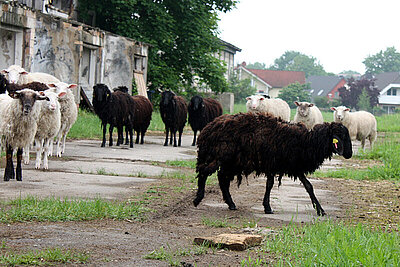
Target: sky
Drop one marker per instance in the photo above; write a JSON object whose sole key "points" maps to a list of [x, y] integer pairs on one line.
{"points": [[340, 34]]}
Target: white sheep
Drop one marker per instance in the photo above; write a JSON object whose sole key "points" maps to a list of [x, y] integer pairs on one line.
{"points": [[308, 114], [49, 123], [69, 113], [361, 124], [18, 124], [17, 74], [276, 107]]}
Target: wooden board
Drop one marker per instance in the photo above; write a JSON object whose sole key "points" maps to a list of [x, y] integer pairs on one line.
{"points": [[231, 241]]}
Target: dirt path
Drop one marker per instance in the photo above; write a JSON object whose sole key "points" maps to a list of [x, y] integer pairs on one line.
{"points": [[86, 170]]}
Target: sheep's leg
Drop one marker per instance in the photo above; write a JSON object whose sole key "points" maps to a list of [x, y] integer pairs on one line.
{"points": [[194, 138], [126, 135], [130, 137], [64, 139], [166, 136], [175, 145], [26, 155], [224, 183], [39, 146], [46, 154], [170, 135], [270, 184], [51, 147], [143, 132], [180, 137], [309, 188], [137, 136], [103, 143], [19, 167], [120, 135], [201, 184], [110, 130], [363, 143], [9, 170]]}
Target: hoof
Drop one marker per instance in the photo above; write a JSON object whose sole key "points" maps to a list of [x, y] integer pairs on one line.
{"points": [[196, 202], [268, 211], [232, 207]]}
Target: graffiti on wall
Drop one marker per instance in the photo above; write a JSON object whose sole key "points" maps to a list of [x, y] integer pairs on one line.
{"points": [[53, 55]]}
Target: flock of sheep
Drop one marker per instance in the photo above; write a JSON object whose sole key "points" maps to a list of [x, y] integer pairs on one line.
{"points": [[35, 108]]}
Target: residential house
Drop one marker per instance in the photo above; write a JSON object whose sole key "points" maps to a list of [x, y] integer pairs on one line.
{"points": [[270, 82], [227, 55], [41, 37], [388, 84], [326, 86]]}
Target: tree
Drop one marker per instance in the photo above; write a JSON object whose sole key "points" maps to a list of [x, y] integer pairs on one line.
{"points": [[296, 61], [364, 101], [295, 92], [182, 35], [351, 93], [384, 61], [240, 88], [256, 66]]}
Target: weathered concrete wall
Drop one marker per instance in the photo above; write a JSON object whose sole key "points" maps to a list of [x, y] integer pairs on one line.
{"points": [[119, 61], [227, 101], [57, 49]]}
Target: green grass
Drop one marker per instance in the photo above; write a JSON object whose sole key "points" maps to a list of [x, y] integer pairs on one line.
{"points": [[182, 163], [385, 151], [55, 209], [216, 223], [388, 123], [334, 244], [87, 126], [46, 257]]}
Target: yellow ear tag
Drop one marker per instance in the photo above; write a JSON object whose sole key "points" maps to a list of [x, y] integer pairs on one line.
{"points": [[335, 141]]}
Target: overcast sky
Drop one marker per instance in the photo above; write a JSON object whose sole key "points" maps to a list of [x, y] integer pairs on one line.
{"points": [[340, 34]]}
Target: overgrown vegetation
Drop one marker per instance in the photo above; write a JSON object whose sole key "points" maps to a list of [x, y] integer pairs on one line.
{"points": [[55, 209], [328, 243], [51, 256]]}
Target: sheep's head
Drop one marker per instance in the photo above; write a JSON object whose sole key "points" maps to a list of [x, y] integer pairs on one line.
{"points": [[27, 98], [254, 101], [303, 108], [13, 73], [340, 140], [197, 102], [167, 98], [121, 88], [340, 113], [53, 97]]}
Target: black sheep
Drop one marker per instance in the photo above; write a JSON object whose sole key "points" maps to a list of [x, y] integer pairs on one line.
{"points": [[202, 111], [173, 110], [4, 84], [35, 86], [236, 145], [143, 110], [114, 108], [142, 114]]}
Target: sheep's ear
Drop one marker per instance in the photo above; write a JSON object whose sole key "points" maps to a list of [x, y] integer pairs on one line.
{"points": [[41, 97], [248, 98], [51, 85], [23, 72], [4, 71], [347, 109], [72, 86], [62, 94], [337, 145], [296, 103], [14, 94], [262, 98], [332, 108], [41, 93], [311, 105]]}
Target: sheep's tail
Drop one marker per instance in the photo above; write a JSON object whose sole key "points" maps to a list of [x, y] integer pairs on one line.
{"points": [[203, 173]]}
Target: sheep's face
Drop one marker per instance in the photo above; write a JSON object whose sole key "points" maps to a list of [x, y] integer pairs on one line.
{"points": [[100, 93], [13, 73], [253, 102], [341, 141], [197, 103], [303, 108], [27, 99], [167, 98], [340, 113], [52, 104]]}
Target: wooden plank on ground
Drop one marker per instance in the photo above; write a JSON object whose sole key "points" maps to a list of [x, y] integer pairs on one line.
{"points": [[140, 85], [231, 241]]}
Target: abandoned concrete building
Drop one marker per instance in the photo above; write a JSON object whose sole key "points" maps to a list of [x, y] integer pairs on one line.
{"points": [[44, 36]]}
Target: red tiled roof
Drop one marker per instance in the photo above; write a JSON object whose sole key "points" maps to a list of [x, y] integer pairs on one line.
{"points": [[280, 78]]}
